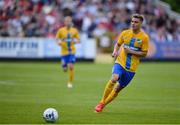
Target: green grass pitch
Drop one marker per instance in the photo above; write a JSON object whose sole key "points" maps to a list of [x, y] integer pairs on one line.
{"points": [[27, 89]]}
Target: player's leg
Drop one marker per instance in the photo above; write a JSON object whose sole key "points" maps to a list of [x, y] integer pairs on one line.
{"points": [[109, 87], [71, 74], [113, 94], [108, 90], [123, 81], [71, 70], [64, 63], [116, 72]]}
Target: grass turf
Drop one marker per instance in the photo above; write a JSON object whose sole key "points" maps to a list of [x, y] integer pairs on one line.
{"points": [[27, 89]]}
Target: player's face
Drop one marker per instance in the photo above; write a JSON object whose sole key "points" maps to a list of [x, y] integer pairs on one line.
{"points": [[136, 23], [68, 21]]}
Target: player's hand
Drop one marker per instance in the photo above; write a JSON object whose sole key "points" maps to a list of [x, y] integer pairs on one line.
{"points": [[115, 54], [59, 43], [75, 40]]}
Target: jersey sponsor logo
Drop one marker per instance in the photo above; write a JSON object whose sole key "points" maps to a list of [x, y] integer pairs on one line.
{"points": [[139, 41], [131, 47]]}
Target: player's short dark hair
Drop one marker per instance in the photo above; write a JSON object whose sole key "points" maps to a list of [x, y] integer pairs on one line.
{"points": [[139, 16]]}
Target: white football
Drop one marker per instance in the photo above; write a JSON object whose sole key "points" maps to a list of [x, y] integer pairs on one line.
{"points": [[50, 115]]}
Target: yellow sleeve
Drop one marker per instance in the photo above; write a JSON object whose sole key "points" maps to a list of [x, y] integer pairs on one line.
{"points": [[145, 44], [58, 34], [120, 39]]}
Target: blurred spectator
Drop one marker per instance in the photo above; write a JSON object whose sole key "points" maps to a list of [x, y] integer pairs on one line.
{"points": [[42, 18]]}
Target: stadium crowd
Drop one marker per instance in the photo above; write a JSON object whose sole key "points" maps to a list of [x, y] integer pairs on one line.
{"points": [[42, 18]]}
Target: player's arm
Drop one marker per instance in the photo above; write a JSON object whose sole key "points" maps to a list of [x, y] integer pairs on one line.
{"points": [[58, 37], [116, 50], [118, 45], [137, 53]]}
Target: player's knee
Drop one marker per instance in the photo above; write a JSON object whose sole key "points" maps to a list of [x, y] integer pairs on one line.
{"points": [[114, 79], [71, 67]]}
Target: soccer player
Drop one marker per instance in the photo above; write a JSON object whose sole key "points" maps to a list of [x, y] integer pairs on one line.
{"points": [[67, 37], [132, 44]]}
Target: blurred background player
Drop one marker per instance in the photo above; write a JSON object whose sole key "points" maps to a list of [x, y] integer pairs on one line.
{"points": [[134, 45], [67, 37]]}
